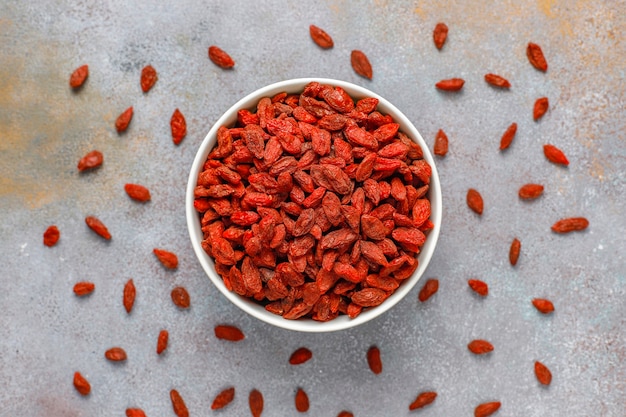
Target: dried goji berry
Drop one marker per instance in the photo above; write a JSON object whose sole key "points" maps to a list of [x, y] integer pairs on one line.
{"points": [[361, 64], [137, 192], [228, 332], [302, 401], [514, 251], [543, 374], [224, 398], [123, 120], [452, 84], [480, 347], [536, 57], [178, 126], [180, 297], [91, 160], [571, 224], [162, 341], [255, 401], [497, 81], [479, 287], [440, 34], [115, 354], [135, 412], [486, 409], [129, 295], [543, 306], [220, 57], [373, 360], [422, 400], [540, 108], [84, 288], [475, 201], [441, 144], [51, 236], [148, 78], [429, 289], [81, 384], [300, 355], [508, 136], [345, 413], [555, 155], [530, 191], [168, 259], [78, 77], [178, 404], [320, 37], [98, 227]]}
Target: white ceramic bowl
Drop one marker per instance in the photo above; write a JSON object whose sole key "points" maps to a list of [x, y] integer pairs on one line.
{"points": [[229, 118]]}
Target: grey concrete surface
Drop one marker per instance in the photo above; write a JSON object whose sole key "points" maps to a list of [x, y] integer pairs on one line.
{"points": [[47, 333]]}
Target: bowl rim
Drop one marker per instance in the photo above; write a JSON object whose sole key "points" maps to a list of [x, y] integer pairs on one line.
{"points": [[228, 118]]}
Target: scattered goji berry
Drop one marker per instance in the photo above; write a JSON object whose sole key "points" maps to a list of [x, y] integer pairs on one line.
{"points": [[220, 57], [78, 77], [178, 404], [51, 236], [540, 108], [91, 160], [302, 401], [129, 295], [480, 347], [514, 251], [180, 297], [475, 201], [225, 397], [536, 57], [84, 288], [137, 192], [422, 400], [429, 289], [543, 306], [497, 81], [162, 341], [373, 360], [148, 78], [255, 401], [81, 384], [440, 34], [479, 287], [123, 120], [115, 354], [508, 136], [228, 332], [555, 155], [300, 355], [361, 64], [135, 412], [178, 126], [571, 224], [452, 84], [98, 227], [345, 413], [530, 191], [486, 409], [168, 259], [320, 37], [543, 374], [441, 144]]}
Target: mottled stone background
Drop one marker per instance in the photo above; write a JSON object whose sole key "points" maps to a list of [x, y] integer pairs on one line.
{"points": [[47, 333]]}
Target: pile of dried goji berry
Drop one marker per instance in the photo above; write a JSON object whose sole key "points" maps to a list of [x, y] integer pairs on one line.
{"points": [[313, 204], [254, 167]]}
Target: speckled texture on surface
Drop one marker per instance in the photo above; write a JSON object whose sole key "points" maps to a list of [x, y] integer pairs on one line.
{"points": [[48, 333]]}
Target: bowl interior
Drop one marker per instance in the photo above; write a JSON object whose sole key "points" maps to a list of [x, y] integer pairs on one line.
{"points": [[229, 118]]}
